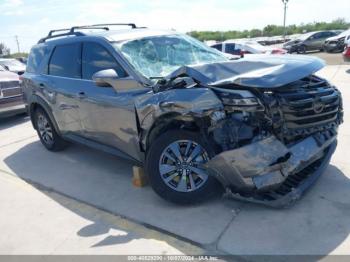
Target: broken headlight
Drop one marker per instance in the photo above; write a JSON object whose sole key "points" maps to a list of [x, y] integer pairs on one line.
{"points": [[242, 100]]}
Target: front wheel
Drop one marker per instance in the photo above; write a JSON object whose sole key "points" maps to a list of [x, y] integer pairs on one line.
{"points": [[175, 168], [301, 49]]}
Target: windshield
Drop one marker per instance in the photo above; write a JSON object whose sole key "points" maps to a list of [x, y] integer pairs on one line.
{"points": [[305, 36], [158, 56]]}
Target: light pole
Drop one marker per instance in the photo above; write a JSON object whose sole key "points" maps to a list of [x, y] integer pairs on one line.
{"points": [[285, 2]]}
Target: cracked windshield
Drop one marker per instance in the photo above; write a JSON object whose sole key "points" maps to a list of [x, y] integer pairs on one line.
{"points": [[160, 55]]}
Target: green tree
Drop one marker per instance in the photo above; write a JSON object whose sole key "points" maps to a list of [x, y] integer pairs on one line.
{"points": [[4, 50]]}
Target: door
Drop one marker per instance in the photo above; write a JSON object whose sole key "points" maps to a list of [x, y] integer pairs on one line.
{"points": [[61, 86], [107, 115]]}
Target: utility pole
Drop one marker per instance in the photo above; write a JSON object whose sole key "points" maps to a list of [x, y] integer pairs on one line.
{"points": [[18, 50], [285, 2]]}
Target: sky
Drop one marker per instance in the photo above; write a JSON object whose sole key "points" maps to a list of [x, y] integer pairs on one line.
{"points": [[33, 19]]}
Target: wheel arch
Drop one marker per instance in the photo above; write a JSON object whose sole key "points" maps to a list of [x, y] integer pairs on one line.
{"points": [[169, 121], [38, 102]]}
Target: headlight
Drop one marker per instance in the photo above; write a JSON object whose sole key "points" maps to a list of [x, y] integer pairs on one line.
{"points": [[242, 100]]}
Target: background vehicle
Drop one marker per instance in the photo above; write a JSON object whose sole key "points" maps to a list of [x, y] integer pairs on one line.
{"points": [[23, 60], [308, 42], [336, 43], [13, 65], [246, 47], [11, 95], [185, 111], [346, 52]]}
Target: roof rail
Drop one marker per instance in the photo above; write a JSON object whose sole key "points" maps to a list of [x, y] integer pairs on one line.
{"points": [[72, 31], [132, 25]]}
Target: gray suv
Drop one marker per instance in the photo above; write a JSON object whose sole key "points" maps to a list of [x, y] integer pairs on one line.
{"points": [[263, 127]]}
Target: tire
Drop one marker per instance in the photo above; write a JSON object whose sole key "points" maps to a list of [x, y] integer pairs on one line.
{"points": [[301, 49], [193, 188], [47, 132]]}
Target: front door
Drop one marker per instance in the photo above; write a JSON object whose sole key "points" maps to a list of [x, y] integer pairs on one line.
{"points": [[107, 115]]}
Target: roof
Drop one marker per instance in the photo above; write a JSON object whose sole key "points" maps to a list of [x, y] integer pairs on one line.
{"points": [[104, 31]]}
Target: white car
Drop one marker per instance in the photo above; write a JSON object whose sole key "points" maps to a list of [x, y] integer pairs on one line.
{"points": [[246, 47], [13, 65], [336, 43]]}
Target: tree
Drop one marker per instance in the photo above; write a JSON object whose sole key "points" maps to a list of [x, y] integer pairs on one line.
{"points": [[4, 50], [271, 30]]}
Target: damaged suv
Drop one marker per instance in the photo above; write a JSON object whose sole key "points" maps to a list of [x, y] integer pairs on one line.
{"points": [[263, 127]]}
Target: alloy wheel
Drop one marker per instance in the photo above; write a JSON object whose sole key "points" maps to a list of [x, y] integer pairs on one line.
{"points": [[181, 166], [45, 129]]}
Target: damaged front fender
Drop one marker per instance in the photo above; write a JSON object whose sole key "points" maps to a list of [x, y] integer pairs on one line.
{"points": [[191, 103]]}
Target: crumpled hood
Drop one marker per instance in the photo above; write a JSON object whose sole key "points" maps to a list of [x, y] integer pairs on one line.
{"points": [[261, 71]]}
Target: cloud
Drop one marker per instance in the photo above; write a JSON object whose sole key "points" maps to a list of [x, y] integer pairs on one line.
{"points": [[14, 13], [35, 18], [12, 3]]}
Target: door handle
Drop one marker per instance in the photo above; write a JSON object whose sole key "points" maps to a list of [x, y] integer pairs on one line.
{"points": [[41, 85], [81, 95]]}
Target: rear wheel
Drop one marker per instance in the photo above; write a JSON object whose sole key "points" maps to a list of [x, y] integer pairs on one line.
{"points": [[46, 131], [175, 168]]}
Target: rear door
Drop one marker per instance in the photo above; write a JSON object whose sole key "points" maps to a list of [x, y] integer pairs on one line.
{"points": [[62, 85]]}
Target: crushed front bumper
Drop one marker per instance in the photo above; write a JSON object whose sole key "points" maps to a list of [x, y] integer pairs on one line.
{"points": [[268, 172]]}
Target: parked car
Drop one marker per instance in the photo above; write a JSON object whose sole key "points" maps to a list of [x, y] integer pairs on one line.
{"points": [[308, 42], [13, 65], [346, 52], [336, 43], [23, 60], [246, 47], [185, 112], [11, 95]]}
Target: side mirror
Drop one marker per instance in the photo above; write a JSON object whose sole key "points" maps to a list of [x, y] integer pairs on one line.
{"points": [[105, 78], [110, 78]]}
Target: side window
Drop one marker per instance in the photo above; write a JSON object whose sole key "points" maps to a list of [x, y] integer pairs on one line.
{"points": [[65, 61], [217, 46], [317, 36], [230, 48], [97, 58], [35, 57]]}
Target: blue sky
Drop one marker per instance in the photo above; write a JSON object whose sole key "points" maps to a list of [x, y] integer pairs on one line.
{"points": [[32, 19]]}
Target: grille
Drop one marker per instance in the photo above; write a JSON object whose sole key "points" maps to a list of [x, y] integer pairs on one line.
{"points": [[10, 89], [9, 84], [309, 103]]}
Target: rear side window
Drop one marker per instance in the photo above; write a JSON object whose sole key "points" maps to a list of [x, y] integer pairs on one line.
{"points": [[230, 48], [65, 61], [217, 47], [34, 60], [97, 58]]}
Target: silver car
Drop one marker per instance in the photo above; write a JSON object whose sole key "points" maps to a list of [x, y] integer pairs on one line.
{"points": [[263, 127]]}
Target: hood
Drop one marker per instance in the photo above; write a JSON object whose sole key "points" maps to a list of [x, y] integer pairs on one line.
{"points": [[261, 71], [16, 68], [8, 76], [293, 42], [341, 35]]}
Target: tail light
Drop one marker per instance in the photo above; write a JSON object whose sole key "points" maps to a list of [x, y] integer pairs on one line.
{"points": [[278, 51], [347, 51]]}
